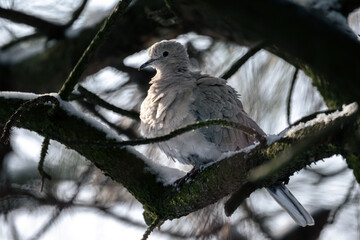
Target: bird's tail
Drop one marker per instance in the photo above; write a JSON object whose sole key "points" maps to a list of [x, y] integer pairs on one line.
{"points": [[290, 204]]}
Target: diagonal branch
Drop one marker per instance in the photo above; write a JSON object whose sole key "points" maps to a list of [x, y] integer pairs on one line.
{"points": [[241, 61], [97, 100], [80, 66], [53, 30], [76, 14], [50, 29]]}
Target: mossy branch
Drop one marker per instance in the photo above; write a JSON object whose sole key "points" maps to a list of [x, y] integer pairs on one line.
{"points": [[19, 111], [141, 179], [79, 68]]}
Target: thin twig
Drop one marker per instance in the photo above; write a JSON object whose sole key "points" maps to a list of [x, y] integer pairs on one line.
{"points": [[53, 30], [257, 220], [288, 109], [24, 107], [248, 130], [157, 222], [76, 14], [97, 100], [80, 66], [43, 174], [343, 203], [237, 65], [15, 41], [56, 214], [129, 132]]}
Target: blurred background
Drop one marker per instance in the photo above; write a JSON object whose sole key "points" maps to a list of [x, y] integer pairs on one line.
{"points": [[37, 52]]}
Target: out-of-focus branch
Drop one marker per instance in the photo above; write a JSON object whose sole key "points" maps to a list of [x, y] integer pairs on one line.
{"points": [[91, 97], [346, 200], [288, 108], [53, 30], [43, 174], [320, 176], [257, 220], [20, 39], [241, 61], [76, 14], [50, 29], [130, 133], [311, 232]]}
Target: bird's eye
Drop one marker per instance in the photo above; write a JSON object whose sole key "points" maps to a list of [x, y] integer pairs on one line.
{"points": [[165, 53]]}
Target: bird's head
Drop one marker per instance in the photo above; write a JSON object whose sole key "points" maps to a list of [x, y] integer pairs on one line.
{"points": [[167, 55]]}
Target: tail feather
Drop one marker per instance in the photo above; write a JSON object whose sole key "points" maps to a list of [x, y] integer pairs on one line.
{"points": [[290, 204]]}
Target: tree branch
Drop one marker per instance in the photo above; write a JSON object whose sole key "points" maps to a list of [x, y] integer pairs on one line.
{"points": [[52, 30], [97, 100], [141, 179], [309, 42], [80, 66], [241, 61]]}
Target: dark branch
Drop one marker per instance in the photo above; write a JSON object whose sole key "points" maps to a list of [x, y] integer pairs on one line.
{"points": [[76, 14], [129, 132], [91, 97], [43, 174], [24, 107], [52, 30], [247, 130], [288, 109], [238, 63], [79, 68]]}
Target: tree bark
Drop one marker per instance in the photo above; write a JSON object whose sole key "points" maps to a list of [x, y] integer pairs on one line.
{"points": [[135, 173]]}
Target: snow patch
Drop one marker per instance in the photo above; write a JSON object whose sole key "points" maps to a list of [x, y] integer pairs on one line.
{"points": [[18, 95], [232, 153], [323, 118], [166, 175]]}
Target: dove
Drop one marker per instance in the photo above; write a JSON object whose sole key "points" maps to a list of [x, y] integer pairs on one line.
{"points": [[179, 96]]}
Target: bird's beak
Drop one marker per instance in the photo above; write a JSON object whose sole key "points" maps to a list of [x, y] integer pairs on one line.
{"points": [[146, 64]]}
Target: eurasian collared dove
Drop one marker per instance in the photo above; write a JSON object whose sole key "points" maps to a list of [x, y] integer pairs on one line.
{"points": [[178, 97]]}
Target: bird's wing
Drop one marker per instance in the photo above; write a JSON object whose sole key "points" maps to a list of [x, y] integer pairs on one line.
{"points": [[214, 99]]}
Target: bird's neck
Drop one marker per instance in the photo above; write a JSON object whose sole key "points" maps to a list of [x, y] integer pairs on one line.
{"points": [[169, 75]]}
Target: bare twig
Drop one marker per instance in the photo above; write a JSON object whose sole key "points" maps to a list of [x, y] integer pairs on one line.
{"points": [[79, 68], [129, 132], [53, 30], [76, 14], [20, 39], [238, 63], [257, 220], [97, 100], [288, 109], [247, 130], [157, 222], [55, 216], [343, 203], [50, 29], [43, 174], [321, 176]]}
